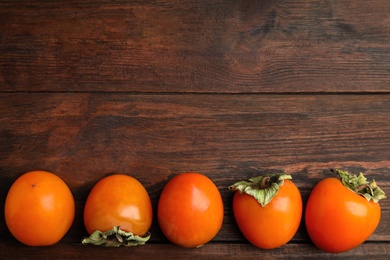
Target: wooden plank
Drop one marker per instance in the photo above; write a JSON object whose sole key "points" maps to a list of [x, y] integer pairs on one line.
{"points": [[196, 46], [83, 137], [168, 251]]}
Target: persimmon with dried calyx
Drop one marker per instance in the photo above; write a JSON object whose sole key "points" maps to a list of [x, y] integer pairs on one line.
{"points": [[39, 208], [118, 211], [267, 209], [341, 213], [190, 210]]}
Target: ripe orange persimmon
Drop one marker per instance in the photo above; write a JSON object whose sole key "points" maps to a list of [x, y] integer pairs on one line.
{"points": [[268, 210], [190, 210], [39, 208], [342, 213], [120, 205]]}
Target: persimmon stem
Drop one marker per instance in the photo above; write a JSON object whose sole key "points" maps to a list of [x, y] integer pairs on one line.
{"points": [[365, 186], [120, 239], [262, 188], [265, 182], [360, 185]]}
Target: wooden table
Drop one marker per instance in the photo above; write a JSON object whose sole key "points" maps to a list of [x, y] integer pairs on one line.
{"points": [[231, 89]]}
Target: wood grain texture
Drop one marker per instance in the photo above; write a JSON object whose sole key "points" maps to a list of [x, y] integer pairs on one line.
{"points": [[231, 89], [84, 137], [169, 251], [197, 46]]}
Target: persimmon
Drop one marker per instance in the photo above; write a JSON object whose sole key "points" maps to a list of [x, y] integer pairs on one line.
{"points": [[118, 211], [39, 208], [267, 209], [190, 210], [341, 213]]}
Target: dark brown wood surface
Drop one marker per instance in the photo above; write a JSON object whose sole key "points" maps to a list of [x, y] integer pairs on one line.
{"points": [[231, 89]]}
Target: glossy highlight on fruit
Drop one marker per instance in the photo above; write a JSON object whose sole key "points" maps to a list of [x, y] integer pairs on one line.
{"points": [[39, 208], [190, 210]]}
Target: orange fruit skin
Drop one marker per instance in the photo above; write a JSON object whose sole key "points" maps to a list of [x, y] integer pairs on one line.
{"points": [[337, 219], [118, 200], [190, 210], [39, 208], [273, 225]]}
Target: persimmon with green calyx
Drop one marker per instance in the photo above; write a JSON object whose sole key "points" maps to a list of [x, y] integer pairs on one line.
{"points": [[341, 213], [118, 211], [267, 209]]}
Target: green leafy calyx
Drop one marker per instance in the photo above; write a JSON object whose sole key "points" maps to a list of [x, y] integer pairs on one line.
{"points": [[360, 185], [262, 188], [115, 238]]}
